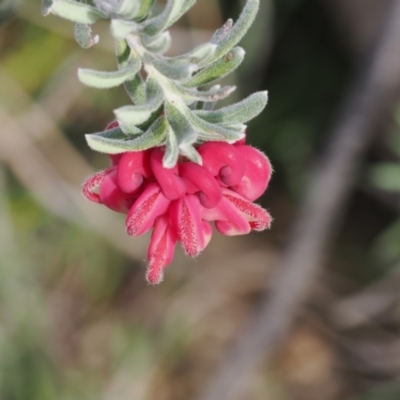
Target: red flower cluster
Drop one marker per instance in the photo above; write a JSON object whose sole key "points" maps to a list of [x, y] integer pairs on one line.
{"points": [[180, 202]]}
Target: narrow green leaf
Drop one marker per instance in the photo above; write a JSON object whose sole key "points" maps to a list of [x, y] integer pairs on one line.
{"points": [[128, 9], [158, 44], [84, 37], [238, 113], [145, 8], [136, 89], [76, 12], [135, 115], [154, 91], [200, 54], [173, 72], [235, 34], [172, 12], [221, 68], [208, 106], [171, 150], [105, 143], [193, 106], [134, 86], [207, 131], [106, 80], [121, 28], [386, 176], [235, 127], [180, 124], [129, 116], [191, 153], [190, 129], [123, 52], [222, 32], [192, 94]]}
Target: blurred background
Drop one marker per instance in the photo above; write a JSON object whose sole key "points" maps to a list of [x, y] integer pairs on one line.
{"points": [[77, 319]]}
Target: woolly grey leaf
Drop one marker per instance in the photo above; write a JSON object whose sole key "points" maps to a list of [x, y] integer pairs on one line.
{"points": [[239, 29], [192, 94], [180, 124], [106, 80], [128, 8], [76, 12], [106, 143], [134, 86], [191, 153], [154, 91], [136, 89], [224, 66], [208, 106], [122, 8], [223, 32], [123, 52], [193, 106], [129, 116], [145, 7], [172, 12], [46, 5], [84, 37], [171, 154], [173, 72], [158, 44], [135, 115], [208, 131], [120, 28], [198, 55], [241, 112], [236, 127]]}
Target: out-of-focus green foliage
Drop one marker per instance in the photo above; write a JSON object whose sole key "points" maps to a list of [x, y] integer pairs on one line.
{"points": [[391, 392], [385, 176], [39, 53]]}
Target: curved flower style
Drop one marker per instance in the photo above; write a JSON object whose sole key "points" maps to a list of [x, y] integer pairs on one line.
{"points": [[179, 203]]}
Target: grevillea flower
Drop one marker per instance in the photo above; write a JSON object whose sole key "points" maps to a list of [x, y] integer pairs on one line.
{"points": [[179, 203]]}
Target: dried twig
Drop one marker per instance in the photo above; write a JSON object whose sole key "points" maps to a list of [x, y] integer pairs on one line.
{"points": [[370, 98]]}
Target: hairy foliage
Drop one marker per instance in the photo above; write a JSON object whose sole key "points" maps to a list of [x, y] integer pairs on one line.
{"points": [[172, 94]]}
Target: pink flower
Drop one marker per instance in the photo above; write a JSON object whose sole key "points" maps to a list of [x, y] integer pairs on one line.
{"points": [[179, 203]]}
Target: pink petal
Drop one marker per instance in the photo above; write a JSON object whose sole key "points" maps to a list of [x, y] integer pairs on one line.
{"points": [[228, 219], [198, 180], [235, 215], [207, 234], [112, 196], [171, 184], [259, 218], [150, 204], [92, 184], [187, 222], [133, 168], [161, 249], [257, 175], [223, 160]]}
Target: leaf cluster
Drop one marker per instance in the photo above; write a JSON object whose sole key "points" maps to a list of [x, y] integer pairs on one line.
{"points": [[173, 97]]}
